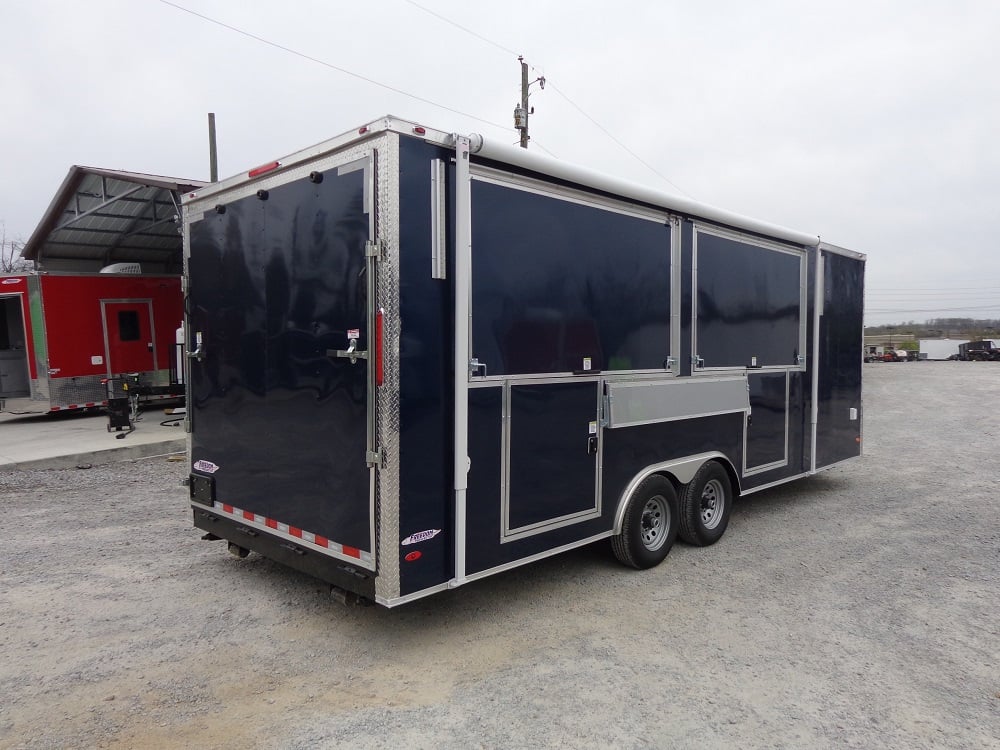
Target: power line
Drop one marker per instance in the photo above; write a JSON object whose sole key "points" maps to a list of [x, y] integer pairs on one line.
{"points": [[931, 288], [330, 65], [561, 93], [606, 132], [463, 28], [933, 310], [936, 290]]}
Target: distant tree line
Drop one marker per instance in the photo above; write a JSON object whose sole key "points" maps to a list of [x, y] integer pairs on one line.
{"points": [[941, 328]]}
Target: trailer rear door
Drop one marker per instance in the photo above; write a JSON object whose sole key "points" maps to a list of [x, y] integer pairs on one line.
{"points": [[280, 309]]}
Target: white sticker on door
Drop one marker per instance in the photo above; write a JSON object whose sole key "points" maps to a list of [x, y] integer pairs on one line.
{"points": [[420, 536]]}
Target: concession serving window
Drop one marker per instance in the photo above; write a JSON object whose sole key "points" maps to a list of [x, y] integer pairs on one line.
{"points": [[563, 285], [749, 302]]}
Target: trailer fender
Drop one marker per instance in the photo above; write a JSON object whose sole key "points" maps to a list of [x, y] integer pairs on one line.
{"points": [[680, 471]]}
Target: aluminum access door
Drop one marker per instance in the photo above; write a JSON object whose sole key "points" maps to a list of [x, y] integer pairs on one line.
{"points": [[280, 391]]}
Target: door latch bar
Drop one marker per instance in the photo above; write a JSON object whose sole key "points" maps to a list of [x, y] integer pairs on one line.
{"points": [[349, 353]]}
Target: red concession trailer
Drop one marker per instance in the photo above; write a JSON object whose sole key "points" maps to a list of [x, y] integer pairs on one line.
{"points": [[63, 334], [104, 297]]}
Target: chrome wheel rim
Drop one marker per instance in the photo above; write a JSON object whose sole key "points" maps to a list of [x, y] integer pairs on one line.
{"points": [[713, 504], [655, 522]]}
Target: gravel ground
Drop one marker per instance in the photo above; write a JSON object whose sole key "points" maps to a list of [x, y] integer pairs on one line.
{"points": [[855, 609]]}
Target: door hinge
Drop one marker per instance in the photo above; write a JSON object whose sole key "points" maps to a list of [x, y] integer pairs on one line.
{"points": [[374, 250], [375, 458]]}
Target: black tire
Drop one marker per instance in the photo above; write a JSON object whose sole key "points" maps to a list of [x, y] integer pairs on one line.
{"points": [[706, 502], [650, 524]]}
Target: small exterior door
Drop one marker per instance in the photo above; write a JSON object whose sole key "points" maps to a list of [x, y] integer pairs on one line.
{"points": [[129, 340]]}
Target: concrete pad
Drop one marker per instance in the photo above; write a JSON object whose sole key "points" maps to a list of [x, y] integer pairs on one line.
{"points": [[62, 440]]}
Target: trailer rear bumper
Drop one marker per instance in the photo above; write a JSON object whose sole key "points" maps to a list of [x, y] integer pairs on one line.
{"points": [[330, 569]]}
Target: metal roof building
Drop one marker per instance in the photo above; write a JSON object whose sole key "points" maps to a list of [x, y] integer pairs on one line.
{"points": [[104, 216]]}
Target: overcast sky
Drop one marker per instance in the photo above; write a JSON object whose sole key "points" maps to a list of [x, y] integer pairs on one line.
{"points": [[873, 124]]}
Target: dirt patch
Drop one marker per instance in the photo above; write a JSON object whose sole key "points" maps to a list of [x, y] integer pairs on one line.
{"points": [[857, 608]]}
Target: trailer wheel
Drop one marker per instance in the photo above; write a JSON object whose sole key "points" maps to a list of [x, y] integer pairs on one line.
{"points": [[649, 527], [706, 502]]}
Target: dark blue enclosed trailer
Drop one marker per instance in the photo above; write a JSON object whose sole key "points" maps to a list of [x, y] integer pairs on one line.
{"points": [[420, 358]]}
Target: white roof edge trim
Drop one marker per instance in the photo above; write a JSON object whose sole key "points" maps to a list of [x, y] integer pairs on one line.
{"points": [[520, 157], [371, 129], [524, 159]]}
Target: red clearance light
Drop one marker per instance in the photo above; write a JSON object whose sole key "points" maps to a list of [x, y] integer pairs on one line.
{"points": [[419, 130], [362, 130], [411, 556], [380, 346], [263, 169]]}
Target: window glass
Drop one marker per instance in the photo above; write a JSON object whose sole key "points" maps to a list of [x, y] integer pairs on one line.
{"points": [[128, 325]]}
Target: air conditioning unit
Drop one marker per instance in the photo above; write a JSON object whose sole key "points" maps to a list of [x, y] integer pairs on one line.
{"points": [[122, 268]]}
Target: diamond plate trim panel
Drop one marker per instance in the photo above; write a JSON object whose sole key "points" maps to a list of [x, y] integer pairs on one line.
{"points": [[79, 390], [387, 397]]}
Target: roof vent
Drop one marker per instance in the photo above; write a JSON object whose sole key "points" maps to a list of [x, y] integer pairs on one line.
{"points": [[122, 268]]}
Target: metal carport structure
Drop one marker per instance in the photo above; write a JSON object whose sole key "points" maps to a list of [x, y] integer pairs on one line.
{"points": [[104, 216]]}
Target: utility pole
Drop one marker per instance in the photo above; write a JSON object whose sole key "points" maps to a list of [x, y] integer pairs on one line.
{"points": [[522, 110], [213, 154], [524, 101]]}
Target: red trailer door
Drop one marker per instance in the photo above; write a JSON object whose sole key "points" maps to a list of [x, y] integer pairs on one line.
{"points": [[128, 336]]}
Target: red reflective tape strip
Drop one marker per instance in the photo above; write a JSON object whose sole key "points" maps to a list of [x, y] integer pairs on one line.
{"points": [[380, 346], [318, 539]]}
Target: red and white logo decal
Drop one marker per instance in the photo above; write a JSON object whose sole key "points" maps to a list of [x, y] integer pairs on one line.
{"points": [[206, 466], [420, 536], [11, 281]]}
